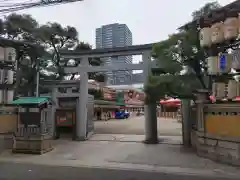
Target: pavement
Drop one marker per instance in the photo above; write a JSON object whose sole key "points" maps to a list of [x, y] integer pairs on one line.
{"points": [[135, 138], [113, 160], [135, 126], [116, 156], [15, 171]]}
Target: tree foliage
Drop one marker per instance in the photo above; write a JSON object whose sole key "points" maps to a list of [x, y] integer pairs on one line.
{"points": [[181, 60], [52, 36], [206, 9]]}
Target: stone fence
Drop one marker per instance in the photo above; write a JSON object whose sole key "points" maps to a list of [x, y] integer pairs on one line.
{"points": [[216, 132], [8, 124], [172, 115]]}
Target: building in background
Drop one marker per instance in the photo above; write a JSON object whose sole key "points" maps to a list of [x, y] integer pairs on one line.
{"points": [[110, 36], [137, 78]]}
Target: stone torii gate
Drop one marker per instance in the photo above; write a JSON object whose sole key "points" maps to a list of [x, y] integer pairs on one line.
{"points": [[84, 68]]}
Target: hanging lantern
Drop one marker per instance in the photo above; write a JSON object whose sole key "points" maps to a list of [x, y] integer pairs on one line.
{"points": [[217, 35], [231, 26], [236, 59], [238, 89], [219, 90], [205, 35], [232, 89], [224, 63], [239, 23], [212, 63]]}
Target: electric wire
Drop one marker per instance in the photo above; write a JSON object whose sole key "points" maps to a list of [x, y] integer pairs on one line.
{"points": [[10, 8]]}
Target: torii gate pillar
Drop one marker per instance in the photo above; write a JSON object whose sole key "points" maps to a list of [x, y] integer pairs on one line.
{"points": [[82, 112], [150, 111]]}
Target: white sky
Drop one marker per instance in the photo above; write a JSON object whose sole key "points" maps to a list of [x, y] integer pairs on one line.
{"points": [[149, 20]]}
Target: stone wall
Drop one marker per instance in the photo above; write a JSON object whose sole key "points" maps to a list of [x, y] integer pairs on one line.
{"points": [[2, 146], [6, 141], [8, 124], [216, 148], [216, 134], [222, 119]]}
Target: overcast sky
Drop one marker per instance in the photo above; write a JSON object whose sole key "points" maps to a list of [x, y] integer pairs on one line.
{"points": [[149, 20]]}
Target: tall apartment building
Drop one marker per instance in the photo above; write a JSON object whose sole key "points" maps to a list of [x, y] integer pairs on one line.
{"points": [[110, 36]]}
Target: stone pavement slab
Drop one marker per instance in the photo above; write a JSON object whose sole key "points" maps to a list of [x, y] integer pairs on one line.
{"points": [[19, 171], [125, 155], [134, 138]]}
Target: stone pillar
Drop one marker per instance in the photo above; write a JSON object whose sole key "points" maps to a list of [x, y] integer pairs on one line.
{"points": [[186, 122], [37, 78], [81, 121], [77, 131], [151, 135], [53, 111], [202, 98]]}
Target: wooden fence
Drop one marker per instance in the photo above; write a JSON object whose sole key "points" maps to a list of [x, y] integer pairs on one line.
{"points": [[170, 115]]}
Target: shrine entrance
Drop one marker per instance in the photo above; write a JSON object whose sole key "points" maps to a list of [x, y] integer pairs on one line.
{"points": [[82, 67]]}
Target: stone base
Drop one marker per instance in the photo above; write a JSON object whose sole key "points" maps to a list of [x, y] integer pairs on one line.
{"points": [[83, 138], [77, 138], [217, 148], [151, 141], [89, 135], [33, 145], [194, 139]]}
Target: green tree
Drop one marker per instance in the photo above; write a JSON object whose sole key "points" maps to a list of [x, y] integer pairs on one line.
{"points": [[179, 70], [98, 94], [206, 9], [181, 60], [16, 26], [52, 36]]}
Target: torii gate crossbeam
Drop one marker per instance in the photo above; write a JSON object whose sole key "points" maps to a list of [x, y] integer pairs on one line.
{"points": [[85, 68]]}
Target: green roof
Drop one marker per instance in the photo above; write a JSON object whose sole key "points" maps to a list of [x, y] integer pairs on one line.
{"points": [[29, 100], [103, 102]]}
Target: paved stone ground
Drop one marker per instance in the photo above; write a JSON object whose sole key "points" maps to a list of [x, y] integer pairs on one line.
{"points": [[17, 171], [135, 125], [117, 156], [131, 156], [177, 140]]}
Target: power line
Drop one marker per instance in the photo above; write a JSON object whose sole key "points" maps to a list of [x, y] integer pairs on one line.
{"points": [[9, 8], [9, 5]]}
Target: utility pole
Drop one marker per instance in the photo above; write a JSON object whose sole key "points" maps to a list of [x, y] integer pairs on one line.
{"points": [[37, 78]]}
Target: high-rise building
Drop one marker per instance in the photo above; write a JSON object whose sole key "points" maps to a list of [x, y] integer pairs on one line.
{"points": [[110, 36]]}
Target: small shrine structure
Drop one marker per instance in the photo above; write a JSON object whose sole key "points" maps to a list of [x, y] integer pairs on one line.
{"points": [[33, 134]]}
